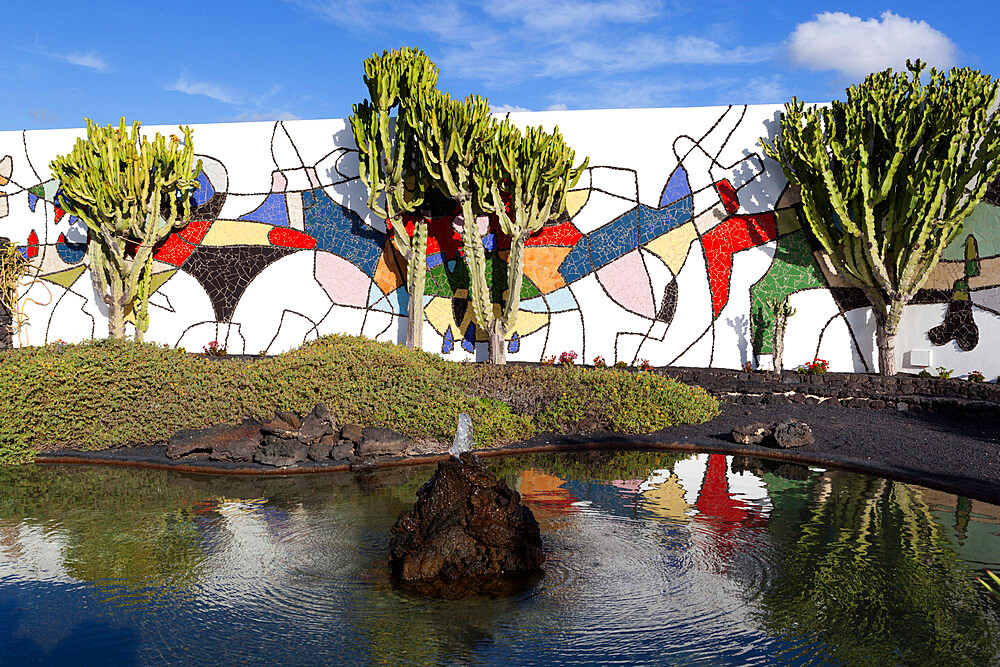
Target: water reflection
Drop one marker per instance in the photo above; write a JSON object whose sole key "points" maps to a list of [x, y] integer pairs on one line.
{"points": [[651, 557]]}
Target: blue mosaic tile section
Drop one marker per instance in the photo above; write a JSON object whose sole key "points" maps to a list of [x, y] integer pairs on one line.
{"points": [[273, 211], [577, 263], [449, 341], [435, 259], [559, 301], [204, 191], [71, 253], [655, 222], [341, 231], [469, 341], [676, 188], [514, 344], [32, 200], [614, 239], [395, 302]]}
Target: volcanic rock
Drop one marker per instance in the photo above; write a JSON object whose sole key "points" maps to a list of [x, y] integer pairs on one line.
{"points": [[791, 433], [352, 432], [343, 451], [787, 434], [381, 442], [223, 441], [467, 534], [752, 434], [321, 449], [281, 452]]}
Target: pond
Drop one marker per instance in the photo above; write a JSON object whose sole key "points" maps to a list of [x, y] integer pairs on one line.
{"points": [[652, 557]]}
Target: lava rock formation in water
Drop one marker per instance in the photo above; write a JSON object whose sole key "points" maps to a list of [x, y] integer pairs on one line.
{"points": [[468, 534]]}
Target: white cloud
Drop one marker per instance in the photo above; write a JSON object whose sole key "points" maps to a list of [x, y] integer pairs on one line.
{"points": [[506, 43], [89, 60], [856, 47], [653, 92], [210, 90], [248, 107], [507, 108]]}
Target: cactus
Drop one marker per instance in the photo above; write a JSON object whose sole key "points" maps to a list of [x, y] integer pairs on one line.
{"points": [[129, 192], [782, 311], [388, 163], [888, 176], [523, 180], [451, 134]]}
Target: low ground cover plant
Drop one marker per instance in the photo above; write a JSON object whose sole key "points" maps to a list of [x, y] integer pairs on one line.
{"points": [[110, 393]]}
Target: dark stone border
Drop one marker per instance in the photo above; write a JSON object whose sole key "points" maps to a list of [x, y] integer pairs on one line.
{"points": [[962, 486], [855, 390]]}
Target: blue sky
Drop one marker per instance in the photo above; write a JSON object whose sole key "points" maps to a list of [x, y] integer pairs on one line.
{"points": [[186, 62]]}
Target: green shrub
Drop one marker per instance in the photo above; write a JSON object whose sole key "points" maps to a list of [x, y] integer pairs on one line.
{"points": [[111, 393]]}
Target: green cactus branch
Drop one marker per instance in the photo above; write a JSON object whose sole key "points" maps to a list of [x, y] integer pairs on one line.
{"points": [[523, 180], [131, 194], [888, 176], [399, 85], [451, 135]]}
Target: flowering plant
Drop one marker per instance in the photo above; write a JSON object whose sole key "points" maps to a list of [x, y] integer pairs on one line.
{"points": [[549, 361], [748, 366], [621, 364], [815, 367], [644, 365], [976, 376], [567, 358], [599, 362], [214, 349]]}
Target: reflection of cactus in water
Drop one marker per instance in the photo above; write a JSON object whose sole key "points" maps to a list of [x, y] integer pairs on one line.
{"points": [[840, 548]]}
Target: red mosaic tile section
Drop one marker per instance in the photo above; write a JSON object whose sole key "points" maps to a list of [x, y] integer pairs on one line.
{"points": [[737, 233], [442, 237], [728, 195], [174, 250], [564, 234], [32, 244], [59, 213], [291, 238], [195, 231]]}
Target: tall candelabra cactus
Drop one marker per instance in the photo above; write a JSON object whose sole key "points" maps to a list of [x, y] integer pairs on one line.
{"points": [[888, 176], [399, 83], [131, 193], [452, 135], [523, 180]]}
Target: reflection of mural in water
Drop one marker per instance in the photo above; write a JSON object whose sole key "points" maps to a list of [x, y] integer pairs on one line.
{"points": [[669, 250]]}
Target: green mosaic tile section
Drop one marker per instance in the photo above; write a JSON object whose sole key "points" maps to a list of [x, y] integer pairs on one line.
{"points": [[441, 282], [793, 269], [984, 225]]}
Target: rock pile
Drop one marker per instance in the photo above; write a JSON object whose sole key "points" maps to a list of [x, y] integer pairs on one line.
{"points": [[787, 434], [468, 534], [288, 439]]}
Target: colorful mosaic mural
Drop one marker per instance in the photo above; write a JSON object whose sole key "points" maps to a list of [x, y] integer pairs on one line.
{"points": [[674, 245]]}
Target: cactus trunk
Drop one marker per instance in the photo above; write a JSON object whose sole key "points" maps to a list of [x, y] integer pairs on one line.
{"points": [[479, 289], [497, 337], [886, 328], [416, 278]]}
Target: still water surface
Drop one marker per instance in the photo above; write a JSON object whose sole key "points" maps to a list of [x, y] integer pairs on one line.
{"points": [[651, 558]]}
